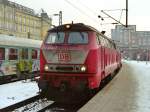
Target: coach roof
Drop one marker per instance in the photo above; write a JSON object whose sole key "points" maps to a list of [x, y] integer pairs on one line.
{"points": [[6, 40]]}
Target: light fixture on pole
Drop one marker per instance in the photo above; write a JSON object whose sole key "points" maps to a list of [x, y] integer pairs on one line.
{"points": [[101, 17], [60, 17]]}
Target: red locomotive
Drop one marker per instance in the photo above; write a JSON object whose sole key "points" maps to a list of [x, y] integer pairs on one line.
{"points": [[76, 58]]}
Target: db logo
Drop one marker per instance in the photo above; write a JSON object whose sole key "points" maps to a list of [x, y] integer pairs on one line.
{"points": [[64, 56]]}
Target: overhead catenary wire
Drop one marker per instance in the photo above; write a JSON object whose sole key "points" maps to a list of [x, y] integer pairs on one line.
{"points": [[81, 11], [121, 15], [114, 9], [85, 12], [88, 8], [117, 10]]}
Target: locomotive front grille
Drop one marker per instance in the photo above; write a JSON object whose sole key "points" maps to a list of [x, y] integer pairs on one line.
{"points": [[64, 68]]}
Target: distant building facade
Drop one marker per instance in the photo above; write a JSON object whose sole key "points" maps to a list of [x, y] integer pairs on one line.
{"points": [[133, 44], [21, 21]]}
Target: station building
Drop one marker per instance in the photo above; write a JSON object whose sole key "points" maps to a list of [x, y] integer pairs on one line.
{"points": [[133, 44], [21, 21]]}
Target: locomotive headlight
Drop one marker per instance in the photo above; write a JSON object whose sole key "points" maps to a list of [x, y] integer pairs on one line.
{"points": [[68, 26], [83, 68], [46, 67]]}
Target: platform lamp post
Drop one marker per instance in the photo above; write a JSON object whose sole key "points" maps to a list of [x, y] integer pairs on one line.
{"points": [[60, 17]]}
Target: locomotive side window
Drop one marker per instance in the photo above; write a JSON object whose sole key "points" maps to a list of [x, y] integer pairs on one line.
{"points": [[57, 37], [104, 42], [114, 45], [24, 53], [101, 40], [108, 43], [13, 54], [78, 38], [98, 39], [34, 54], [2, 53]]}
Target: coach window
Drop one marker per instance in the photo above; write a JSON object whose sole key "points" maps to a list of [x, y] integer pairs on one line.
{"points": [[24, 53], [2, 53], [38, 54], [13, 54], [34, 54]]}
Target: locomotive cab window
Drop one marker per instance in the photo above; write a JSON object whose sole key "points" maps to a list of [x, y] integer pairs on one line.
{"points": [[78, 38], [55, 38], [13, 54], [2, 53]]}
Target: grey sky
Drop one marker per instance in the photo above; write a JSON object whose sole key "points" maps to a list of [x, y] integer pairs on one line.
{"points": [[89, 9]]}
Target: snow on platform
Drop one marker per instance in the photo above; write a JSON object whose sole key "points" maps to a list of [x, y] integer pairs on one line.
{"points": [[129, 91], [17, 91]]}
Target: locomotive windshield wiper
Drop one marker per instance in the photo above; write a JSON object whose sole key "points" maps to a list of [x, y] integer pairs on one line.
{"points": [[82, 35], [58, 36]]}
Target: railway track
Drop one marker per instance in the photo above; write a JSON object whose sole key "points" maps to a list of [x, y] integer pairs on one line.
{"points": [[40, 104], [5, 81], [59, 107], [33, 104]]}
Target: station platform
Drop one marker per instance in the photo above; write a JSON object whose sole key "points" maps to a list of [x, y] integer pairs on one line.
{"points": [[128, 91]]}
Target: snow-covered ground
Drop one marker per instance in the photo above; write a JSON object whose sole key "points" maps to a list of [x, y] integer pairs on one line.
{"points": [[139, 67], [17, 91], [129, 91]]}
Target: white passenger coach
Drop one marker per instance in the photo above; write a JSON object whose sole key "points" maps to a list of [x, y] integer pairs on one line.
{"points": [[13, 49]]}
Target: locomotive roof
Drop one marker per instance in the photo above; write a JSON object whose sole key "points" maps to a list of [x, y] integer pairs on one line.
{"points": [[13, 41], [73, 27], [77, 27]]}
